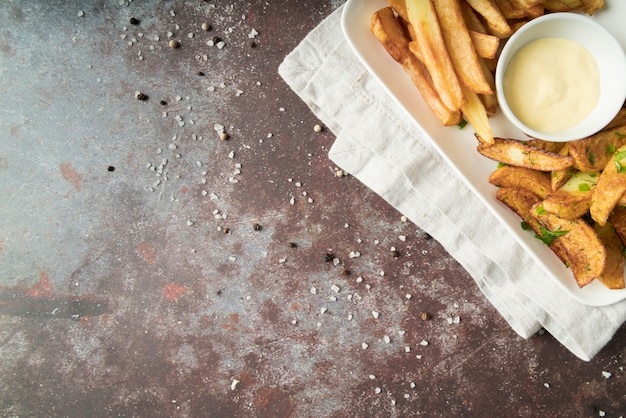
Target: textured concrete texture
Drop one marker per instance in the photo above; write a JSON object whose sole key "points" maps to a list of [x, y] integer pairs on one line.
{"points": [[150, 268]]}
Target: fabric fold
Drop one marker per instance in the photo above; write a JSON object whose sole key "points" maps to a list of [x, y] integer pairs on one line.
{"points": [[378, 144]]}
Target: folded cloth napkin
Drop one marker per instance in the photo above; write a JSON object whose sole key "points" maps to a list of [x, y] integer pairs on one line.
{"points": [[378, 144]]}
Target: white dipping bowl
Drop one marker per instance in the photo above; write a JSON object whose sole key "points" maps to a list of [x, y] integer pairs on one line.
{"points": [[603, 47]]}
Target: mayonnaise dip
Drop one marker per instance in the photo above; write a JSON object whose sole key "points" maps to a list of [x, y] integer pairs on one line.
{"points": [[551, 84]]}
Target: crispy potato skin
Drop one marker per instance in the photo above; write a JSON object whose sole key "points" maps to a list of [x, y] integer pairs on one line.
{"points": [[519, 154], [613, 275], [522, 178], [585, 253]]}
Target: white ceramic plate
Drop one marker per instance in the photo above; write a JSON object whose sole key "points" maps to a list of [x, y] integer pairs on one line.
{"points": [[458, 147]]}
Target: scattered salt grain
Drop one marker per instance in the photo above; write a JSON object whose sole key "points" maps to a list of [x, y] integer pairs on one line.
{"points": [[402, 238], [386, 339], [375, 314], [377, 390], [314, 290], [364, 346], [233, 385], [354, 254], [335, 288], [372, 377], [423, 343], [606, 375]]}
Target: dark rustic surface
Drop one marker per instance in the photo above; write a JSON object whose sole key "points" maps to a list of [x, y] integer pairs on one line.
{"points": [[134, 281]]}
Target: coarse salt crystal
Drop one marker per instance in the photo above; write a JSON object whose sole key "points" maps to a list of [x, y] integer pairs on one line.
{"points": [[423, 343], [386, 339], [335, 288], [377, 390], [606, 375], [314, 290], [323, 310], [364, 346], [372, 377], [234, 384], [375, 314], [355, 254], [402, 238]]}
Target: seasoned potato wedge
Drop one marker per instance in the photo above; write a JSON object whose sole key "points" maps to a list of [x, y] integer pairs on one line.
{"points": [[610, 188], [521, 201], [585, 253], [516, 153], [592, 153], [521, 178], [613, 275], [568, 204]]}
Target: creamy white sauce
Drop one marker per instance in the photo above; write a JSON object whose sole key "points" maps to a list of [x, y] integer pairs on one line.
{"points": [[551, 84]]}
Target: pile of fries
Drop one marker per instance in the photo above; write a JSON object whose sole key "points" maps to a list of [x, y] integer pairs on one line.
{"points": [[449, 49], [572, 195]]}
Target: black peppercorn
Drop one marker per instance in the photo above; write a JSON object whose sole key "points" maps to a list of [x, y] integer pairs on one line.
{"points": [[257, 227], [162, 102], [111, 168], [328, 257], [134, 21]]}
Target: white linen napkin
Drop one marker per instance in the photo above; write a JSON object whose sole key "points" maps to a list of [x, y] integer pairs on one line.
{"points": [[378, 144]]}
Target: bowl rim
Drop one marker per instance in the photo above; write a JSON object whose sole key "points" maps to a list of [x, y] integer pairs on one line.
{"points": [[511, 47]]}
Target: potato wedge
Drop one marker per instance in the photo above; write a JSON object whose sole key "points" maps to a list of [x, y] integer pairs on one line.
{"points": [[617, 219], [495, 20], [592, 153], [521, 201], [568, 204], [433, 53], [391, 34], [592, 6], [516, 153], [613, 275], [535, 181], [585, 253], [610, 188], [459, 45], [560, 177], [618, 120]]}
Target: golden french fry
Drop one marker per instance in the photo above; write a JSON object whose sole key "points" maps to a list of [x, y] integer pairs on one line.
{"points": [[510, 11], [610, 187], [521, 178], [549, 146], [490, 101], [613, 275], [459, 45], [390, 33], [400, 8], [516, 153], [494, 19], [592, 153], [585, 253], [433, 52], [474, 111], [486, 45], [472, 21]]}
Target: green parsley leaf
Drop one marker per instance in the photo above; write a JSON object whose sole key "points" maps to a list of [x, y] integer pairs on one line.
{"points": [[462, 124]]}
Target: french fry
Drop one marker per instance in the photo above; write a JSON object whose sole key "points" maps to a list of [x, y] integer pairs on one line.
{"points": [[433, 52], [610, 187], [494, 19], [474, 111], [390, 33], [618, 120], [399, 6], [585, 253], [459, 45], [490, 101], [486, 45], [510, 11], [512, 152]]}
